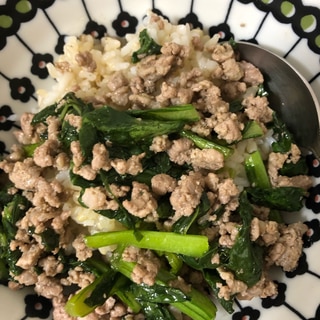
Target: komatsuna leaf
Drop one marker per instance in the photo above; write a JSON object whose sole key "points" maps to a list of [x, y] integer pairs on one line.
{"points": [[245, 257], [121, 128], [279, 198]]}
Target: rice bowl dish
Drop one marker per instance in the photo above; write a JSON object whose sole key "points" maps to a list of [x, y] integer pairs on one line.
{"points": [[205, 158]]}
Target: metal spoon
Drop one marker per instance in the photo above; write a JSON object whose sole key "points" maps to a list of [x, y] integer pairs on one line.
{"points": [[290, 95]]}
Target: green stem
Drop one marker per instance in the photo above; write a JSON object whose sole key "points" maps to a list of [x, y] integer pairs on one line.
{"points": [[199, 307], [203, 143], [186, 112], [190, 245], [256, 170]]}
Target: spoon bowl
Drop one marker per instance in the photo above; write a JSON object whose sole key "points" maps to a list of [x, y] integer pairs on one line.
{"points": [[290, 95]]}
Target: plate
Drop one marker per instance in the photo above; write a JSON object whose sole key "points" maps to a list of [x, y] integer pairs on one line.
{"points": [[32, 33]]}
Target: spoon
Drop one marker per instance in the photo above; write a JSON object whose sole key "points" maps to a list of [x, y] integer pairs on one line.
{"points": [[290, 95]]}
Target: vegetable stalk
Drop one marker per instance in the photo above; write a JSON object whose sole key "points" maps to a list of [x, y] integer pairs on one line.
{"points": [[190, 245], [203, 143]]}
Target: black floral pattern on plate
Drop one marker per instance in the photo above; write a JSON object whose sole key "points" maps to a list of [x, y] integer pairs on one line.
{"points": [[37, 306], [313, 233], [39, 62], [125, 23], [302, 267], [223, 29], [278, 300], [314, 165], [60, 44], [313, 200], [246, 313], [21, 89], [7, 121], [43, 4], [192, 19], [95, 29], [159, 13]]}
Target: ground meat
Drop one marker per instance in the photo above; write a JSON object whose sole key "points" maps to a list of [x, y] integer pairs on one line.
{"points": [[153, 68], [252, 75], [48, 287], [263, 288], [186, 196], [51, 266], [77, 156], [221, 52], [142, 203], [25, 174], [29, 257], [79, 277], [174, 49], [276, 160], [54, 125], [229, 129], [142, 100], [59, 312], [160, 144], [119, 96], [82, 251], [106, 307], [180, 150], [267, 231], [232, 285], [233, 90], [231, 70], [227, 191], [26, 278], [131, 166], [86, 172], [228, 233], [257, 108], [287, 250], [27, 135], [209, 159], [74, 120], [211, 181], [48, 192], [162, 184], [95, 198], [147, 265], [85, 59], [44, 155], [100, 157]]}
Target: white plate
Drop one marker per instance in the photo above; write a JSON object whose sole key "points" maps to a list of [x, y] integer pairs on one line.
{"points": [[32, 33]]}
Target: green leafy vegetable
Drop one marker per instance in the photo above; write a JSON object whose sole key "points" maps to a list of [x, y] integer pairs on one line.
{"points": [[12, 213], [282, 136], [252, 129], [291, 169], [280, 198], [262, 92], [245, 257], [123, 129], [147, 47], [195, 304], [212, 278]]}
